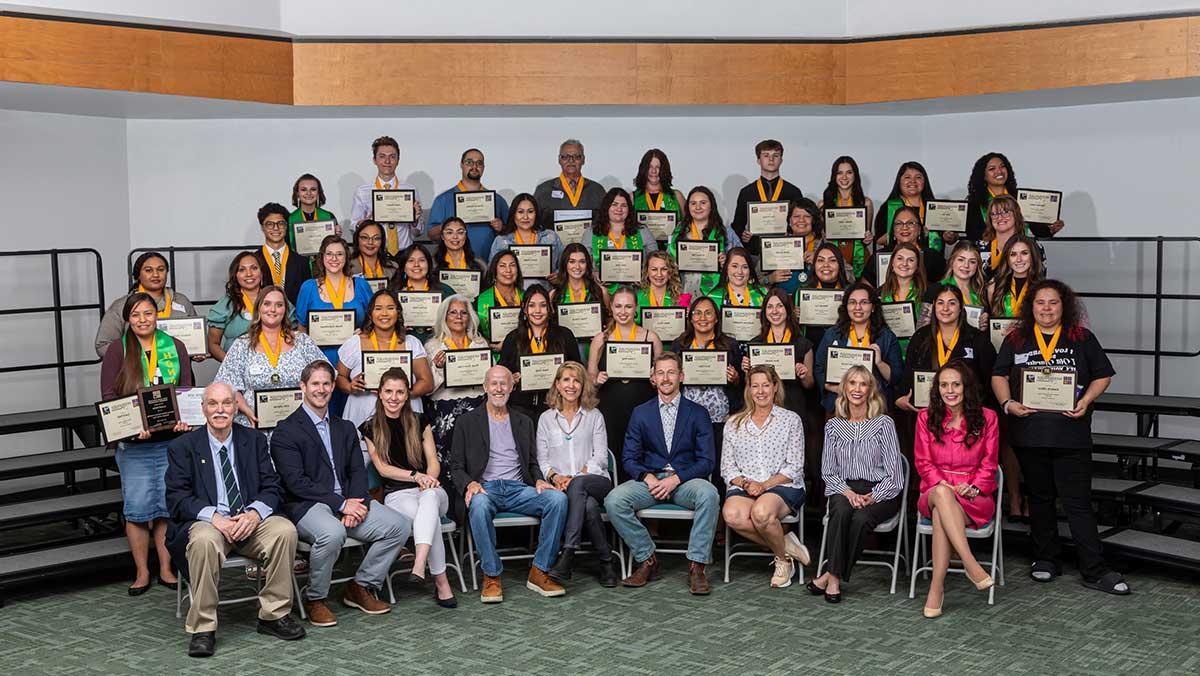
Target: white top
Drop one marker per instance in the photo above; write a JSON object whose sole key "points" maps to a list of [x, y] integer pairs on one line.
{"points": [[362, 209], [440, 391], [569, 447], [361, 406], [759, 453]]}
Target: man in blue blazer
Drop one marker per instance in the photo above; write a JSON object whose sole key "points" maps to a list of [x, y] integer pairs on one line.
{"points": [[320, 461], [223, 495], [669, 455]]}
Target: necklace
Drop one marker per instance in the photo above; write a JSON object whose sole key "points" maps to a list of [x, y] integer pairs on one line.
{"points": [[568, 434]]}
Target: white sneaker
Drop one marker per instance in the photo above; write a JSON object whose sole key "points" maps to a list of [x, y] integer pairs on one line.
{"points": [[795, 549], [784, 572]]}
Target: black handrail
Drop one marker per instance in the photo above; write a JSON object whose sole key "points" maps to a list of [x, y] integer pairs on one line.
{"points": [[170, 251]]}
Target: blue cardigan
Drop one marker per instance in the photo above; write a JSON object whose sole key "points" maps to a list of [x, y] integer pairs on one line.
{"points": [[889, 348]]}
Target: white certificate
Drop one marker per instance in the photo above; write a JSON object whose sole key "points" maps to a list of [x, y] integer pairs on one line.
{"points": [[668, 322], [922, 386], [620, 265], [999, 327], [901, 318], [781, 356], [782, 253], [846, 223], [189, 404], [882, 260], [839, 359], [627, 360], [476, 206], [1040, 206], [462, 282], [819, 307], [1046, 390], [271, 407], [538, 371], [121, 418], [572, 224], [377, 283], [946, 216], [660, 223], [741, 322], [767, 218], [974, 314], [310, 234], [420, 307], [376, 362], [330, 328], [501, 322], [467, 368], [191, 331], [705, 367], [581, 319], [532, 259], [394, 206], [697, 256]]}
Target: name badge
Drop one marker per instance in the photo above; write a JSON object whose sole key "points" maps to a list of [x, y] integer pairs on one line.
{"points": [[556, 194], [1020, 358], [257, 370]]}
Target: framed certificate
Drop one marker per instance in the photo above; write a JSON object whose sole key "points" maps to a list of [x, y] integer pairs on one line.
{"points": [[120, 418], [420, 307], [922, 386], [901, 318], [660, 223], [463, 282], [376, 362], [846, 223], [998, 328], [782, 253], [572, 224], [475, 206], [781, 356], [582, 319], [467, 368], [271, 407], [705, 367], [191, 331], [946, 216], [533, 260], [620, 265], [1042, 207], [839, 359], [310, 234], [190, 403], [501, 322], [1047, 390], [668, 322], [537, 371], [377, 283], [974, 314], [697, 255], [159, 410], [883, 259], [767, 218], [330, 328], [628, 360], [394, 206], [819, 307], [741, 322]]}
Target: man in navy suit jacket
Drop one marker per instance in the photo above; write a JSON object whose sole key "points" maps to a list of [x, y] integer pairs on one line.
{"points": [[669, 455], [223, 495], [325, 493]]}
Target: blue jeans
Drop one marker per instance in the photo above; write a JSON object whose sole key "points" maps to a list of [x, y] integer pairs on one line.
{"points": [[698, 495], [506, 495]]}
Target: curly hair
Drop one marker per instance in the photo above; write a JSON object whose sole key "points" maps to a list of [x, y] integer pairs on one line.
{"points": [[977, 191], [1072, 313]]}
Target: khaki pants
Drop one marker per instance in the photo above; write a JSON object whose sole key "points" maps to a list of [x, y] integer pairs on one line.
{"points": [[274, 538]]}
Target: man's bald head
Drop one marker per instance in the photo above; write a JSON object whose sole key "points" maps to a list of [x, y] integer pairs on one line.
{"points": [[498, 383]]}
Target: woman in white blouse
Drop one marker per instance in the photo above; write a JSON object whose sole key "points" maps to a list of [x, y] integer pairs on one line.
{"points": [[763, 464], [572, 452]]}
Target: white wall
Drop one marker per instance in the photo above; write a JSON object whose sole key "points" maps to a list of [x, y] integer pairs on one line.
{"points": [[866, 18]]}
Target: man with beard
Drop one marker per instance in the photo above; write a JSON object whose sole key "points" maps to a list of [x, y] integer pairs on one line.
{"points": [[481, 234]]}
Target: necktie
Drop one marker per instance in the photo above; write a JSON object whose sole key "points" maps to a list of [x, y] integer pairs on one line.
{"points": [[232, 495], [668, 423], [278, 260]]}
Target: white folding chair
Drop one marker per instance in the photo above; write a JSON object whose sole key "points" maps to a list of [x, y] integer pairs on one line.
{"points": [[449, 528], [734, 550], [235, 561], [921, 564], [349, 544], [897, 523], [504, 520], [664, 511], [617, 546]]}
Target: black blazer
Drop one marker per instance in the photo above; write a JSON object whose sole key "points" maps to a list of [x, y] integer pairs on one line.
{"points": [[296, 271], [191, 485], [470, 450], [304, 467]]}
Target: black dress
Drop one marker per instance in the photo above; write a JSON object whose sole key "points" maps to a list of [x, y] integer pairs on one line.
{"points": [[559, 340], [618, 398]]}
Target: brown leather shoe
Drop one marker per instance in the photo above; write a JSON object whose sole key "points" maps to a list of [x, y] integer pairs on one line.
{"points": [[492, 591], [357, 596], [697, 580], [541, 583], [319, 614], [646, 571]]}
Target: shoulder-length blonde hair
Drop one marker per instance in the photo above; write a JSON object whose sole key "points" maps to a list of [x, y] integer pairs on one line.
{"points": [[587, 395], [738, 419], [876, 406], [674, 283], [286, 328], [441, 331]]}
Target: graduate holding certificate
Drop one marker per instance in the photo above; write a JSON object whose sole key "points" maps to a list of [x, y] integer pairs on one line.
{"points": [[308, 196], [523, 229], [829, 274], [385, 153], [535, 349], [577, 285], [992, 176], [778, 330], [368, 258], [654, 194], [662, 294], [946, 338], [569, 191], [150, 276], [504, 292], [804, 220], [843, 191], [739, 296], [911, 189], [769, 187], [615, 231], [965, 271], [417, 272], [482, 223], [457, 329], [453, 255], [702, 223], [230, 316], [905, 282], [860, 325]]}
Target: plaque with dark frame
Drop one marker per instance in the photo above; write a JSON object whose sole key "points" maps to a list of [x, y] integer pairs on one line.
{"points": [[160, 411]]}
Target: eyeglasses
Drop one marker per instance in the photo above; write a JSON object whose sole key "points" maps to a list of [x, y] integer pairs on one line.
{"points": [[1002, 213], [472, 163], [335, 254], [274, 225], [858, 303], [905, 224], [456, 313], [564, 157], [374, 239]]}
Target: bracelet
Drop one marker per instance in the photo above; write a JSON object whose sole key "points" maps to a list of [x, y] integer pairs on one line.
{"points": [[1004, 406]]}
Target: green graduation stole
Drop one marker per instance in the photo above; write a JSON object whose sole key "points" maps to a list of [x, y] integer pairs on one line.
{"points": [[973, 300], [297, 216], [486, 301], [167, 357], [720, 296], [632, 243], [894, 205], [641, 202], [708, 280]]}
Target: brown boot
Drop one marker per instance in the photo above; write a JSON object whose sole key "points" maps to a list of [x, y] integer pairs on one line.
{"points": [[357, 596], [697, 580], [646, 571], [492, 591], [541, 583], [319, 614]]}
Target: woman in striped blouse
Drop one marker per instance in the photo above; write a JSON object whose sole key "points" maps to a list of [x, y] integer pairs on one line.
{"points": [[863, 476]]}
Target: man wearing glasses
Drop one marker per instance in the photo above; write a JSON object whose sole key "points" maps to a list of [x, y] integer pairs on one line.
{"points": [[385, 153], [480, 233], [569, 191], [287, 268]]}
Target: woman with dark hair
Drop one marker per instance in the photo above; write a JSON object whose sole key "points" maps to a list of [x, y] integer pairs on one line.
{"points": [[332, 289], [829, 272], [368, 256], [416, 272], [537, 332], [454, 248], [150, 275], [1055, 447], [991, 176], [1004, 221], [907, 229], [143, 356], [912, 189], [615, 227], [845, 190], [702, 222], [738, 286], [504, 283], [522, 228], [860, 324], [230, 316], [1020, 268], [955, 455], [308, 196], [805, 220], [577, 278], [653, 189], [964, 271], [948, 337]]}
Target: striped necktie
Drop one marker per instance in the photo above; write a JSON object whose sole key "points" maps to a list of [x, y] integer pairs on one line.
{"points": [[232, 495]]}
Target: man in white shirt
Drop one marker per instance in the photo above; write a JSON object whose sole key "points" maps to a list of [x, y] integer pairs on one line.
{"points": [[385, 153]]}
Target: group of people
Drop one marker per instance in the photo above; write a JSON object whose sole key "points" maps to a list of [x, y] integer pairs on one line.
{"points": [[737, 450]]}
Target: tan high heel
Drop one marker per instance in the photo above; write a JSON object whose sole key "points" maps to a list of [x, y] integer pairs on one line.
{"points": [[983, 585], [931, 613]]}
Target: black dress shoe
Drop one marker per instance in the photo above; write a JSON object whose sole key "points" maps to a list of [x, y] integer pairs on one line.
{"points": [[418, 580], [138, 591], [204, 644], [173, 586], [833, 598], [562, 569], [814, 589], [608, 574], [286, 628], [445, 603]]}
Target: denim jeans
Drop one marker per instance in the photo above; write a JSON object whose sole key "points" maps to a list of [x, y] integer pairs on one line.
{"points": [[698, 495], [506, 495]]}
